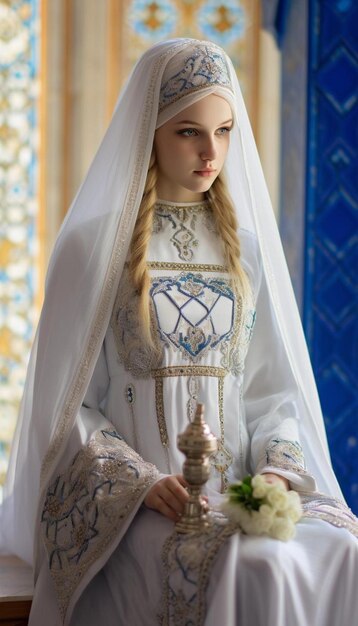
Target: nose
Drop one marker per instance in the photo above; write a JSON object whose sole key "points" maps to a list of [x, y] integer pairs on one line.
{"points": [[208, 149]]}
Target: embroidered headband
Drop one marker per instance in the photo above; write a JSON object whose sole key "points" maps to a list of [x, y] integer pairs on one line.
{"points": [[200, 67]]}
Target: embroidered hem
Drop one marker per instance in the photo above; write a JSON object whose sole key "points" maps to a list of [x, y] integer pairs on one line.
{"points": [[188, 561]]}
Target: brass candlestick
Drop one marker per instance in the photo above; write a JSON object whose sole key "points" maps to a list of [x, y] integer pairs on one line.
{"points": [[197, 443]]}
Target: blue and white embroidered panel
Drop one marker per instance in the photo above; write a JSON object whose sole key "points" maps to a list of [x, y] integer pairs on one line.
{"points": [[193, 313]]}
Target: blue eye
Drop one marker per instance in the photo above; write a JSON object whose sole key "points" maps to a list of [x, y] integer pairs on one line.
{"points": [[223, 130], [188, 132]]}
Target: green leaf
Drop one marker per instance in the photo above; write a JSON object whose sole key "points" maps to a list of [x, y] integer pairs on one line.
{"points": [[247, 489]]}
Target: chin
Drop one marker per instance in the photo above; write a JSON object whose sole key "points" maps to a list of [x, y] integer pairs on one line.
{"points": [[201, 186]]}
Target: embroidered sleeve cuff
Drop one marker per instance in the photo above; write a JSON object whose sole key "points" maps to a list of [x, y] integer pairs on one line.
{"points": [[285, 458]]}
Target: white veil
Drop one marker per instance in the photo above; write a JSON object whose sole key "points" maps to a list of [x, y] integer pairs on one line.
{"points": [[82, 280]]}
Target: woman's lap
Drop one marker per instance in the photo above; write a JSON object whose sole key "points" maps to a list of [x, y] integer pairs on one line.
{"points": [[308, 580]]}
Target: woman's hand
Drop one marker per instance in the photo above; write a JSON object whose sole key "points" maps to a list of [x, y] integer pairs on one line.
{"points": [[276, 479], [168, 496]]}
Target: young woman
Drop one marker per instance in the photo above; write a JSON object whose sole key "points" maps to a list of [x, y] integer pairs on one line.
{"points": [[167, 286]]}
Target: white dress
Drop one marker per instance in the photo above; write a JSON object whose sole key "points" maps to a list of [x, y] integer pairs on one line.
{"points": [[213, 348]]}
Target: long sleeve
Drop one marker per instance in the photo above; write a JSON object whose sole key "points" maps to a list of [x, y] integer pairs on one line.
{"points": [[97, 490], [270, 394]]}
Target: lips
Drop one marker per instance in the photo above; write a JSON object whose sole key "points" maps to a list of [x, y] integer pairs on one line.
{"points": [[204, 172]]}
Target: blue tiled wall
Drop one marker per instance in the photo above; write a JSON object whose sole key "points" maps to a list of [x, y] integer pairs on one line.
{"points": [[329, 303]]}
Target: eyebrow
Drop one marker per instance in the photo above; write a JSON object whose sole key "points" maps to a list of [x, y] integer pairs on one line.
{"points": [[198, 124]]}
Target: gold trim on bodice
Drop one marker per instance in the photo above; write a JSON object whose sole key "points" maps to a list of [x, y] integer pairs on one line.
{"points": [[222, 458], [188, 267], [189, 370]]}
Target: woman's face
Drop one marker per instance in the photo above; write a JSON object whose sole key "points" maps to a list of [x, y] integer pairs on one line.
{"points": [[191, 148]]}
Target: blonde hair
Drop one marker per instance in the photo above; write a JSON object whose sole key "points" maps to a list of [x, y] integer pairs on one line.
{"points": [[138, 270], [226, 225]]}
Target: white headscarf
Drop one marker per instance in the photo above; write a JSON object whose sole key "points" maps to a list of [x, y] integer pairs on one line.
{"points": [[88, 259]]}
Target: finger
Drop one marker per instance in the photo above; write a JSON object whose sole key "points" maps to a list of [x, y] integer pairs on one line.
{"points": [[171, 499], [167, 511], [162, 491], [157, 503], [177, 490], [181, 480], [171, 491], [273, 479], [270, 478]]}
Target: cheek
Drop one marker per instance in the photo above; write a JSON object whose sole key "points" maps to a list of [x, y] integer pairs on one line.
{"points": [[179, 154], [168, 151], [224, 147], [162, 147], [170, 159]]}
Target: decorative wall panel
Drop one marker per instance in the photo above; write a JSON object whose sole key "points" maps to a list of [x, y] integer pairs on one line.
{"points": [[331, 228], [19, 70]]}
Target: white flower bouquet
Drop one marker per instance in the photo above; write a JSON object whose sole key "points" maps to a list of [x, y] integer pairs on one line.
{"points": [[261, 508]]}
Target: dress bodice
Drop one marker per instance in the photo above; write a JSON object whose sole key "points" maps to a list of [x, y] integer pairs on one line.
{"points": [[201, 327], [197, 314]]}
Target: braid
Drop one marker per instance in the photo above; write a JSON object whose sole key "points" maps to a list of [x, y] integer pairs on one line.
{"points": [[227, 227], [138, 271]]}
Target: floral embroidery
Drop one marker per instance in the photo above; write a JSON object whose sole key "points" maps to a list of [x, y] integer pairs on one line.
{"points": [[287, 455], [234, 359], [188, 561], [183, 222], [86, 507], [137, 356], [193, 314], [204, 67]]}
